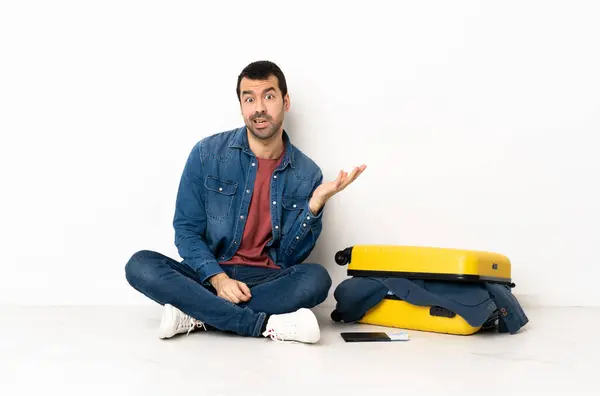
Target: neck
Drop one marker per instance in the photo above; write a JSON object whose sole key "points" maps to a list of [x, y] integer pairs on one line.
{"points": [[268, 149]]}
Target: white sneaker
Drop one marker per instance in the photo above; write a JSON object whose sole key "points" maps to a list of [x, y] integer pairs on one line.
{"points": [[176, 322], [299, 326]]}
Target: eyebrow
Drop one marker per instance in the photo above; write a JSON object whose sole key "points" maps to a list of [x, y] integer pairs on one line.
{"points": [[250, 92]]}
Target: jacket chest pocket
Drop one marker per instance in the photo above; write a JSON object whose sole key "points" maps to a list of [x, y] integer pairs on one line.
{"points": [[292, 207], [219, 197]]}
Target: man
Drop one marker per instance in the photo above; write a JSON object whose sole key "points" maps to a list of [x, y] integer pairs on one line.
{"points": [[248, 213]]}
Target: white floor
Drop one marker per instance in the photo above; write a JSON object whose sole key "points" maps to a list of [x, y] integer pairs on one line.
{"points": [[115, 351]]}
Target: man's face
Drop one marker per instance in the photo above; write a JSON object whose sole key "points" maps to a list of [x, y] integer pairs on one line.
{"points": [[263, 106]]}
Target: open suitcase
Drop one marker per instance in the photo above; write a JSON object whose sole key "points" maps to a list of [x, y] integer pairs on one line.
{"points": [[425, 263]]}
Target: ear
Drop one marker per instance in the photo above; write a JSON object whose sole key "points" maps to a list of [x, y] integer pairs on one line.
{"points": [[286, 102]]}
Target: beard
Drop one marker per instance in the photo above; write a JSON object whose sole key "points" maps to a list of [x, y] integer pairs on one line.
{"points": [[264, 133]]}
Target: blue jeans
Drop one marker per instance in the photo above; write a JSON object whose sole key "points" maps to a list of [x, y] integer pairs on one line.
{"points": [[274, 291]]}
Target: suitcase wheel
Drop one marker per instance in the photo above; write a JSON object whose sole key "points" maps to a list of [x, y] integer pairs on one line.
{"points": [[343, 256], [335, 316]]}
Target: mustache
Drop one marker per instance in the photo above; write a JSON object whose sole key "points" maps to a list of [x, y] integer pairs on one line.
{"points": [[260, 115]]}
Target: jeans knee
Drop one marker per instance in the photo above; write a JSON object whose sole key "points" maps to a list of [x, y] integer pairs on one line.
{"points": [[318, 283], [138, 270], [325, 280]]}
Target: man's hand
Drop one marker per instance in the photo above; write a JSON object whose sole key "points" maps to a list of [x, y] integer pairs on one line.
{"points": [[230, 289], [328, 189]]}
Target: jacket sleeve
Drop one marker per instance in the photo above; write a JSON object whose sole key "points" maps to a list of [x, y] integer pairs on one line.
{"points": [[190, 219], [300, 242]]}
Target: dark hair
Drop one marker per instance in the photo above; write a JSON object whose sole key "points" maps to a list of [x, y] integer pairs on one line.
{"points": [[261, 70]]}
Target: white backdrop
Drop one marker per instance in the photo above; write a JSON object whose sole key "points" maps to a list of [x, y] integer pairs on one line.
{"points": [[478, 122]]}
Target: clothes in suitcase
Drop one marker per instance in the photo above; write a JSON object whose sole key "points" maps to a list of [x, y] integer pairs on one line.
{"points": [[441, 290]]}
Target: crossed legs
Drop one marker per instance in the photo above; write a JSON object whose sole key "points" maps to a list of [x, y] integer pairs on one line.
{"points": [[274, 292]]}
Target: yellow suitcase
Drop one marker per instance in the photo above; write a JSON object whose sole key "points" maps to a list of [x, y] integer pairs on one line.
{"points": [[426, 263], [393, 312]]}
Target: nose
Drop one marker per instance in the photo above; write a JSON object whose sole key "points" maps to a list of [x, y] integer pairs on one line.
{"points": [[260, 106]]}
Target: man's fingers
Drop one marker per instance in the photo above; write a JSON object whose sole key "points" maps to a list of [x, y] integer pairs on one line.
{"points": [[245, 289], [353, 175], [239, 294], [232, 298], [357, 171], [230, 294], [350, 178], [360, 170], [343, 179], [340, 179], [340, 176]]}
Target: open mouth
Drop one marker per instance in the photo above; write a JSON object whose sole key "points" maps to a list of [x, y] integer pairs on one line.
{"points": [[260, 121]]}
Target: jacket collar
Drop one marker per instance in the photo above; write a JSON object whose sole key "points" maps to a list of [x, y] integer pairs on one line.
{"points": [[240, 140]]}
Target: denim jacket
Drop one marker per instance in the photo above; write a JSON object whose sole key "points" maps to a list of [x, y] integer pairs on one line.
{"points": [[214, 195]]}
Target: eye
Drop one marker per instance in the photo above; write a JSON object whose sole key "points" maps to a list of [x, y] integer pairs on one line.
{"points": [[248, 100], [269, 96]]}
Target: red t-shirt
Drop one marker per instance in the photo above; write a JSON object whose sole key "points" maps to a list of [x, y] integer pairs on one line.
{"points": [[257, 231]]}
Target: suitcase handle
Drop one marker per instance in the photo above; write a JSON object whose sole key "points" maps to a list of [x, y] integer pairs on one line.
{"points": [[443, 312]]}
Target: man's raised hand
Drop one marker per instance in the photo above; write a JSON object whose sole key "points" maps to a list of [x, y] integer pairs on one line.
{"points": [[328, 189]]}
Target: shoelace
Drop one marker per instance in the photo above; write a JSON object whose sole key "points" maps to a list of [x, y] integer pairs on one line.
{"points": [[190, 323], [275, 336], [197, 324]]}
